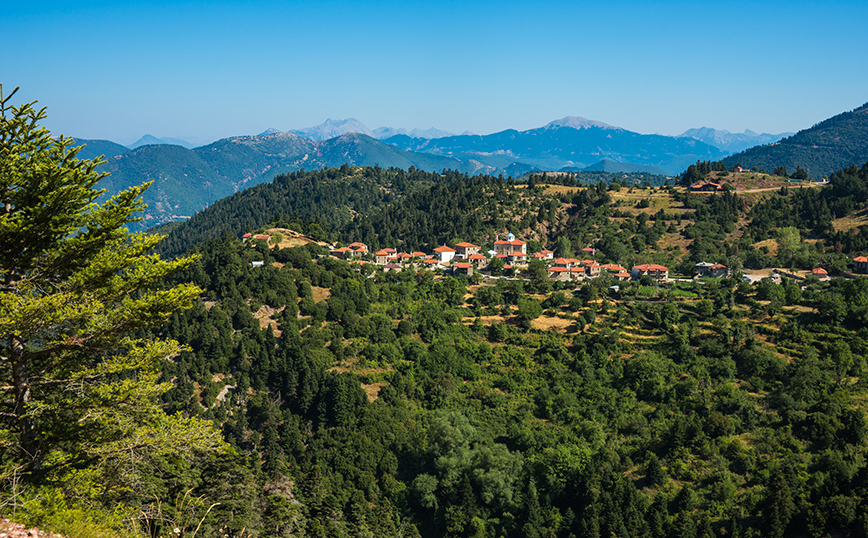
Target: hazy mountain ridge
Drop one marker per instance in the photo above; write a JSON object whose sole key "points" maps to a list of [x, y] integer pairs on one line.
{"points": [[153, 140], [732, 142], [570, 142]]}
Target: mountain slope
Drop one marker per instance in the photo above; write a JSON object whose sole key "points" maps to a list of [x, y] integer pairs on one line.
{"points": [[96, 148], [830, 145], [186, 181]]}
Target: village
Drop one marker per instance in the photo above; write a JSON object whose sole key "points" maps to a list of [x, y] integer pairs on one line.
{"points": [[510, 258]]}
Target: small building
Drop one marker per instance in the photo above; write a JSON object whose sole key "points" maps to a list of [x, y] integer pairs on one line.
{"points": [[462, 268], [343, 253], [516, 258], [465, 249], [713, 270], [820, 273], [566, 263], [559, 273], [613, 268], [510, 246], [357, 245], [657, 272], [479, 260], [404, 257], [624, 275], [592, 270], [391, 267], [860, 264], [577, 272], [444, 254], [381, 257]]}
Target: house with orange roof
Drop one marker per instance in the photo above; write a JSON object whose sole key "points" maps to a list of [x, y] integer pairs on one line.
{"points": [[357, 244], [820, 273], [444, 254], [462, 268], [623, 275], [509, 246], [381, 257], [419, 255], [655, 271], [479, 260], [592, 269], [713, 270], [404, 257], [343, 253], [516, 258], [465, 249], [559, 273], [860, 264], [563, 262], [613, 268], [577, 272]]}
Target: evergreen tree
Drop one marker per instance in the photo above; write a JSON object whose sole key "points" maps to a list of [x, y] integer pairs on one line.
{"points": [[74, 286]]}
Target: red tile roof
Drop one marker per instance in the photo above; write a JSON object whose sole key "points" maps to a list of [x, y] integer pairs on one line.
{"points": [[444, 248]]}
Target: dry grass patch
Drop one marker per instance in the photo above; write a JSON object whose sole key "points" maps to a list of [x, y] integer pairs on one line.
{"points": [[265, 316], [858, 219], [547, 323], [372, 391], [320, 294]]}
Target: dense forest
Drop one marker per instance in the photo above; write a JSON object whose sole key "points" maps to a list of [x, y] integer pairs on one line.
{"points": [[415, 404]]}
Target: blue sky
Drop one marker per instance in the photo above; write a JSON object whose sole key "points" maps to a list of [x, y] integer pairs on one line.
{"points": [[117, 70]]}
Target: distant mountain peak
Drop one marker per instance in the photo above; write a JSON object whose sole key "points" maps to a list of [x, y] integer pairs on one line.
{"points": [[578, 122], [331, 128]]}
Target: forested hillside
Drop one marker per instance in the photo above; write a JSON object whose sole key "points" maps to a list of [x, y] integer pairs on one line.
{"points": [[830, 145], [375, 205], [414, 404]]}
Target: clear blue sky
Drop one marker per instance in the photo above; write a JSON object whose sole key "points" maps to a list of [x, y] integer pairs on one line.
{"points": [[117, 70]]}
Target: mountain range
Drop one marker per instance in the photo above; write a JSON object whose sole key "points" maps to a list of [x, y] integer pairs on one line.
{"points": [[187, 180]]}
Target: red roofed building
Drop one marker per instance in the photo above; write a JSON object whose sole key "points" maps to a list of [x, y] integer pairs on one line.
{"points": [[861, 264], [356, 245], [343, 253], [559, 273], [657, 272], [479, 260], [592, 269], [510, 246], [624, 275], [444, 254], [465, 249], [381, 257], [614, 268], [462, 269]]}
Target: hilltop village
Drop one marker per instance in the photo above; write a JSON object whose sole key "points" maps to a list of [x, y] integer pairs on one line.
{"points": [[510, 258]]}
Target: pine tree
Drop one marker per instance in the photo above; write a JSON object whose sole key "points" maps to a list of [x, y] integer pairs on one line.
{"points": [[76, 388]]}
